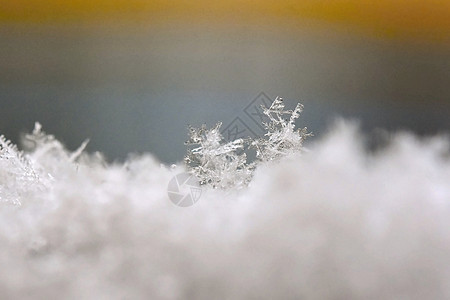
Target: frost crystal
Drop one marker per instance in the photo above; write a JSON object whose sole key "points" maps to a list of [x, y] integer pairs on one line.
{"points": [[215, 162], [224, 164]]}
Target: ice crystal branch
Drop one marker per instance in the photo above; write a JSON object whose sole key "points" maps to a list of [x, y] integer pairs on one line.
{"points": [[224, 164]]}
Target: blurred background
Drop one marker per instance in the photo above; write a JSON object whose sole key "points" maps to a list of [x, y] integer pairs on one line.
{"points": [[132, 74]]}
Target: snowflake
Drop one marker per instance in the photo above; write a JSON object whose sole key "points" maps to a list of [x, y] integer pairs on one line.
{"points": [[281, 138], [215, 162]]}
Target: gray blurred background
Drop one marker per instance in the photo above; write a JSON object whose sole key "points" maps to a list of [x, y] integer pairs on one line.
{"points": [[135, 89]]}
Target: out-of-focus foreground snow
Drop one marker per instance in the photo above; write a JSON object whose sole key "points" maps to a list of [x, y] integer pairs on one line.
{"points": [[336, 223]]}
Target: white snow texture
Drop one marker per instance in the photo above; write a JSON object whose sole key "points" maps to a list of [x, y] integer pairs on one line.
{"points": [[337, 222]]}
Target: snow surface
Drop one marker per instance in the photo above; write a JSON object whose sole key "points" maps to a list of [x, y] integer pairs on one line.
{"points": [[338, 222]]}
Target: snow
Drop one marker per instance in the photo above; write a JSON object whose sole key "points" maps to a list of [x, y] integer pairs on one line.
{"points": [[337, 222]]}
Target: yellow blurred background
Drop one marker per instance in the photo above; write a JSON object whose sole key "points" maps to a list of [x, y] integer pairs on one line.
{"points": [[420, 19]]}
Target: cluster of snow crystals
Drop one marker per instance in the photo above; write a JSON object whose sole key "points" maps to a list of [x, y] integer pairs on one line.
{"points": [[215, 162], [224, 164]]}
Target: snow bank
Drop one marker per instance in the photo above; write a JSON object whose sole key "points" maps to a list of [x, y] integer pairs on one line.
{"points": [[336, 223]]}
